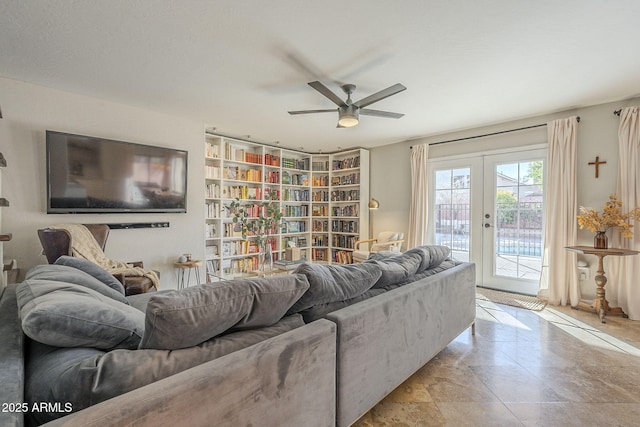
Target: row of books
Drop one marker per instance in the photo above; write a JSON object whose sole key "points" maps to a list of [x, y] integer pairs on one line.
{"points": [[320, 210], [292, 195], [272, 177], [212, 150], [242, 192], [298, 241], [348, 163], [212, 210], [320, 196], [294, 227], [241, 155], [341, 241], [320, 225], [271, 160], [239, 247], [320, 239], [320, 181], [339, 226], [302, 164], [320, 254], [345, 195], [212, 172], [345, 210], [211, 251], [320, 166], [212, 191], [239, 174], [293, 211], [348, 179], [301, 179], [343, 257], [210, 232]]}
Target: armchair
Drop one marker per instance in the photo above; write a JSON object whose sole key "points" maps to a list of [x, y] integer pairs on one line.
{"points": [[387, 241], [56, 242]]}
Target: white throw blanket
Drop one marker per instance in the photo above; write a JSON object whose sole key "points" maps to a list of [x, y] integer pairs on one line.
{"points": [[84, 245]]}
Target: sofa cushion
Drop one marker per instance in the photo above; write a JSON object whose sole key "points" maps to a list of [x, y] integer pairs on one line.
{"points": [[93, 269], [63, 273], [68, 315], [331, 283], [84, 376], [396, 269], [435, 255], [188, 317]]}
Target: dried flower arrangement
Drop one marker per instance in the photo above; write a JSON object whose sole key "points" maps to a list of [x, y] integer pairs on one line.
{"points": [[610, 217]]}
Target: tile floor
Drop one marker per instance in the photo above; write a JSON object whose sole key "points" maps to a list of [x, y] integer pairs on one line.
{"points": [[557, 367]]}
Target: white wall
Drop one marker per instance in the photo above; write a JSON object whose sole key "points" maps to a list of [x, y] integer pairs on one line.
{"points": [[597, 136], [29, 110]]}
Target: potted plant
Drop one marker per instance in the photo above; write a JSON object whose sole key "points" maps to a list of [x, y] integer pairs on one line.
{"points": [[257, 221]]}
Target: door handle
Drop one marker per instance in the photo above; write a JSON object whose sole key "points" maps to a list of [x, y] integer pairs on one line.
{"points": [[487, 225]]}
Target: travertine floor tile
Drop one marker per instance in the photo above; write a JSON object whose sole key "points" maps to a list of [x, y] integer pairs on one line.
{"points": [[558, 367]]}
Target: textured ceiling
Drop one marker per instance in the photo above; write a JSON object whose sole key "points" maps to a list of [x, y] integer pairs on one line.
{"points": [[241, 65]]}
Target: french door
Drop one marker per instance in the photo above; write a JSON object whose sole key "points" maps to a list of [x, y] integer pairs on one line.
{"points": [[489, 210]]}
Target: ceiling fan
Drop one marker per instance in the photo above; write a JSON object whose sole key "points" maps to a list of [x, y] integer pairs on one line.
{"points": [[349, 111]]}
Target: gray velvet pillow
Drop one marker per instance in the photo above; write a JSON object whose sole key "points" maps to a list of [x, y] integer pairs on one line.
{"points": [[92, 269], [67, 315], [437, 254], [188, 317], [63, 273], [396, 269], [332, 283]]}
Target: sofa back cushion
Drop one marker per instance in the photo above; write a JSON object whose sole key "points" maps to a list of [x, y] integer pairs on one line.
{"points": [[64, 314], [63, 273], [92, 269], [188, 317], [332, 283], [396, 268]]}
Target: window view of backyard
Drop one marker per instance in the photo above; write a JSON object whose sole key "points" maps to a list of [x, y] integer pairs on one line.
{"points": [[516, 219], [452, 210]]}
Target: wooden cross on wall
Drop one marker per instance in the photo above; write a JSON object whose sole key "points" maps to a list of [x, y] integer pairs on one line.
{"points": [[597, 164]]}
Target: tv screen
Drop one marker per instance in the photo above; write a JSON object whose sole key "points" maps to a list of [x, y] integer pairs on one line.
{"points": [[95, 175]]}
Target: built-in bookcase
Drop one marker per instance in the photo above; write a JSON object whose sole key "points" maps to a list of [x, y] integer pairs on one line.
{"points": [[323, 198]]}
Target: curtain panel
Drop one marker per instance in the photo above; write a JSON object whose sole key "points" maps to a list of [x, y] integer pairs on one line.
{"points": [[622, 285], [559, 279], [419, 206]]}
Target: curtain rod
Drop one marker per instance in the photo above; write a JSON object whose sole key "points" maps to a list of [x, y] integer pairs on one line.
{"points": [[490, 134]]}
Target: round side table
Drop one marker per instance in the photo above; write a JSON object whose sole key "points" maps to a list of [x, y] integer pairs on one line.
{"points": [[182, 267]]}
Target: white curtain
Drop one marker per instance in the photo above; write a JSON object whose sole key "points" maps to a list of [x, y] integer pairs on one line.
{"points": [[623, 272], [559, 279], [419, 207]]}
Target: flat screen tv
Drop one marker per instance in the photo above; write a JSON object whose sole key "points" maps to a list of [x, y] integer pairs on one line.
{"points": [[87, 174]]}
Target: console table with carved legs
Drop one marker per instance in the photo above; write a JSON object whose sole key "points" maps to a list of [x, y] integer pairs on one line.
{"points": [[600, 303]]}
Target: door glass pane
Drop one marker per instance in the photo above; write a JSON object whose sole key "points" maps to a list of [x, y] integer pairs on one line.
{"points": [[518, 215], [451, 213]]}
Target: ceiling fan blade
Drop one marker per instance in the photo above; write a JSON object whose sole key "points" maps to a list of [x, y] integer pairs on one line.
{"points": [[378, 113], [378, 96], [327, 92], [333, 110]]}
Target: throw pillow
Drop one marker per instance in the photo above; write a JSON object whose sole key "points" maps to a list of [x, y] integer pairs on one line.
{"points": [[188, 317], [93, 269], [331, 283], [63, 273], [68, 315]]}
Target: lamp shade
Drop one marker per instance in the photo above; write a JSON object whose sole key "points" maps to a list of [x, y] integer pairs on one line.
{"points": [[374, 204]]}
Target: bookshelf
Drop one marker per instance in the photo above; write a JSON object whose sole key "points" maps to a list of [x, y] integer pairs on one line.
{"points": [[323, 198]]}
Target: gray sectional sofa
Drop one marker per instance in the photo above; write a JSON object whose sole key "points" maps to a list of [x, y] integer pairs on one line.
{"points": [[319, 347]]}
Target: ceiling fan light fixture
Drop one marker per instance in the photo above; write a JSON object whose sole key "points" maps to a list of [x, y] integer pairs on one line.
{"points": [[348, 116]]}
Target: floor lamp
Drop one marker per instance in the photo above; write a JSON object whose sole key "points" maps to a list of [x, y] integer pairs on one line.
{"points": [[373, 205]]}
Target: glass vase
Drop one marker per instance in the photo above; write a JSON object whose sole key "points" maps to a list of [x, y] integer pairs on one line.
{"points": [[600, 240], [266, 258]]}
